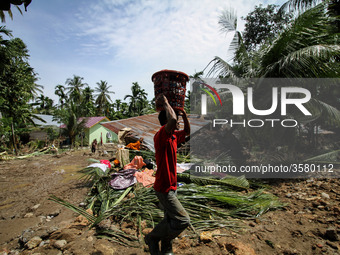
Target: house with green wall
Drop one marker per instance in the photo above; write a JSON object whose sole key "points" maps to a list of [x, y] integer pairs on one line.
{"points": [[94, 130]]}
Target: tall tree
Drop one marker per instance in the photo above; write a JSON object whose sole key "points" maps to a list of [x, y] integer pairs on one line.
{"points": [[72, 125], [120, 110], [306, 48], [17, 85], [137, 99], [263, 25], [45, 104], [103, 98], [59, 90], [75, 87], [3, 47], [88, 108]]}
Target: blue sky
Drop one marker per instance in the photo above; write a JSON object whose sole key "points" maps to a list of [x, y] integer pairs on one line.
{"points": [[122, 41]]}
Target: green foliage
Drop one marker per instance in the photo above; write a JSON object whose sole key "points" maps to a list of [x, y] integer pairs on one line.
{"points": [[17, 84], [103, 98], [87, 108], [69, 115], [44, 105], [330, 157], [138, 102], [81, 94], [101, 104], [5, 5], [262, 25], [75, 88], [305, 47], [236, 183], [209, 206], [36, 144], [210, 203]]}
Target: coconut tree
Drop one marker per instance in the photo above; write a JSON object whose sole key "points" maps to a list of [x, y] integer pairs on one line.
{"points": [[75, 86], [5, 5], [45, 104], [120, 110], [69, 116], [59, 90], [103, 97], [87, 105], [196, 92], [137, 99], [306, 48]]}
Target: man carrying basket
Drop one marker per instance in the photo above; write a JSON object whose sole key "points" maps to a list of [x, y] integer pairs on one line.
{"points": [[176, 219]]}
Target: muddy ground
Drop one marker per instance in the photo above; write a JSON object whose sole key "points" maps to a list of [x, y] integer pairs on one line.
{"points": [[32, 224]]}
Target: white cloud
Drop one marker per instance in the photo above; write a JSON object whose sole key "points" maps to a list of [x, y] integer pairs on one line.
{"points": [[124, 41], [148, 30], [145, 36]]}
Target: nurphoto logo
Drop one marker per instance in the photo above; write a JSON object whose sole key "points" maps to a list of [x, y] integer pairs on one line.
{"points": [[243, 100]]}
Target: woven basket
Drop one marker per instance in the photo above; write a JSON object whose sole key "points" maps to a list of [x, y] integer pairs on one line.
{"points": [[173, 85]]}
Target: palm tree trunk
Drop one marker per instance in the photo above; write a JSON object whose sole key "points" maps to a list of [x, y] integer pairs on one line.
{"points": [[14, 140]]}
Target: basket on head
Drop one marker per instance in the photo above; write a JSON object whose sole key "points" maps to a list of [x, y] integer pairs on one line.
{"points": [[173, 86]]}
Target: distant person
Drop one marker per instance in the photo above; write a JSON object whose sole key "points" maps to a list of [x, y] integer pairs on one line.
{"points": [[94, 146]]}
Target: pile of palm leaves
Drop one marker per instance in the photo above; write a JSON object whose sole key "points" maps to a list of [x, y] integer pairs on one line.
{"points": [[210, 203]]}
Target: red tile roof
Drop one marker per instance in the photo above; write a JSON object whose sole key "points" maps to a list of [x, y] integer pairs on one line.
{"points": [[90, 121]]}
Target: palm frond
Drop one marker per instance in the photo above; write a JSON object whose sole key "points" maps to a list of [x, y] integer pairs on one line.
{"points": [[79, 210], [5, 31], [119, 237], [311, 61], [239, 183], [298, 5], [229, 203], [306, 40], [330, 157], [220, 67], [93, 173], [328, 114], [234, 46], [228, 20]]}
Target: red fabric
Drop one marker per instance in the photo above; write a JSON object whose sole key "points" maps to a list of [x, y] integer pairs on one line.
{"points": [[166, 159], [106, 162]]}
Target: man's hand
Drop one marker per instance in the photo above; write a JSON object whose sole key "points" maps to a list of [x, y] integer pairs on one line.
{"points": [[181, 113], [161, 100], [186, 121]]}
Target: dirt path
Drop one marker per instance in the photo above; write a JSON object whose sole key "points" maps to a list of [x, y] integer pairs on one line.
{"points": [[26, 185], [309, 224]]}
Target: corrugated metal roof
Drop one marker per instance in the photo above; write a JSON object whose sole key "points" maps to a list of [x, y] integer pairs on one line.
{"points": [[146, 126], [48, 118]]}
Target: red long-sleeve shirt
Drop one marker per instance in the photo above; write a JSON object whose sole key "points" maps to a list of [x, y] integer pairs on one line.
{"points": [[166, 159]]}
